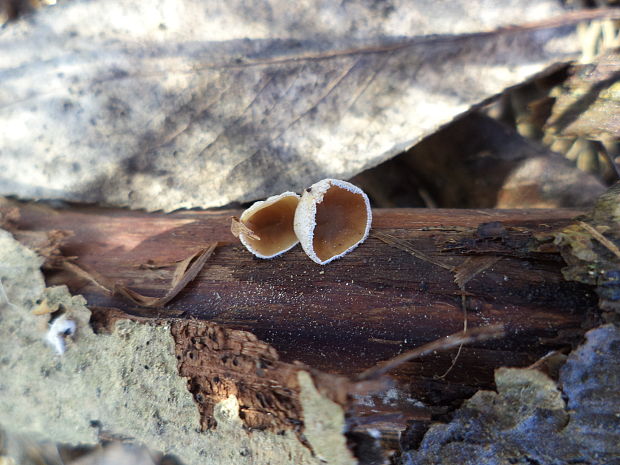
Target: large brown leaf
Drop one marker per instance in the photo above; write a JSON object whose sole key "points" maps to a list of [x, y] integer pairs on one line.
{"points": [[167, 104]]}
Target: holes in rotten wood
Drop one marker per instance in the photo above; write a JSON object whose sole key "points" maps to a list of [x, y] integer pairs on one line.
{"points": [[235, 353], [225, 359], [211, 334]]}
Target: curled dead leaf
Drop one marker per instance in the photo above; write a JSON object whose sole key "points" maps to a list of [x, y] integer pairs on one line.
{"points": [[185, 271], [237, 228]]}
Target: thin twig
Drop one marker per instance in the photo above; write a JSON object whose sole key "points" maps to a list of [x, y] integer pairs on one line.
{"points": [[472, 267], [464, 273], [475, 335], [458, 352]]}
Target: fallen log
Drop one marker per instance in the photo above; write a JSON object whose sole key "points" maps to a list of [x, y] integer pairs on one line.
{"points": [[246, 326]]}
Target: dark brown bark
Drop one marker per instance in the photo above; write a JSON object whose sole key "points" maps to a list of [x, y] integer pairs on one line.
{"points": [[342, 318]]}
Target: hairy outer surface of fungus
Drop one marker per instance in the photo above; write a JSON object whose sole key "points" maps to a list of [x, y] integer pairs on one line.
{"points": [[332, 218], [271, 221], [125, 384]]}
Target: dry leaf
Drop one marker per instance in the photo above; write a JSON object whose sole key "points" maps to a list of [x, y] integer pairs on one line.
{"points": [[185, 271], [45, 243], [44, 308], [237, 228], [98, 280], [588, 105], [167, 104]]}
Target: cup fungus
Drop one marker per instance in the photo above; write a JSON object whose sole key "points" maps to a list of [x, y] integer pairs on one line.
{"points": [[332, 218], [266, 228]]}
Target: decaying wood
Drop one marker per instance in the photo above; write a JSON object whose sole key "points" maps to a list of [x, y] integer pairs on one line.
{"points": [[244, 326]]}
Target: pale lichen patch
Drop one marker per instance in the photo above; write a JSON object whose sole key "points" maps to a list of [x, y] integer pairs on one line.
{"points": [[124, 383], [324, 424]]}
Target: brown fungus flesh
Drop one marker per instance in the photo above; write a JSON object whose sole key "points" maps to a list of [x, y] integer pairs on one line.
{"points": [[332, 218], [271, 222], [340, 222]]}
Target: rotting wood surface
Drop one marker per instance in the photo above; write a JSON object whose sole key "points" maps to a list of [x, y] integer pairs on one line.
{"points": [[369, 306]]}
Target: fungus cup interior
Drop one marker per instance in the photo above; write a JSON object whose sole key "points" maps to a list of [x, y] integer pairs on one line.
{"points": [[341, 220], [273, 224]]}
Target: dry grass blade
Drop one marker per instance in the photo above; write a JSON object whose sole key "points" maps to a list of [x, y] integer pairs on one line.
{"points": [[151, 265], [237, 228], [407, 247], [184, 273], [602, 239], [474, 335], [101, 282], [470, 268]]}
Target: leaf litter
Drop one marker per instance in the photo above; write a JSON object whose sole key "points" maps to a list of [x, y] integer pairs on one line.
{"points": [[256, 109]]}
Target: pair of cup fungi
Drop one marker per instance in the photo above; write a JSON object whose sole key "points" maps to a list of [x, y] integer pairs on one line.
{"points": [[329, 219]]}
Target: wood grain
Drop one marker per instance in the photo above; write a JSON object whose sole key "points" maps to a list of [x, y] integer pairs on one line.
{"points": [[348, 315], [363, 309]]}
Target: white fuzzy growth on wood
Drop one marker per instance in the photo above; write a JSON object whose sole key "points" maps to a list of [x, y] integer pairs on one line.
{"points": [[60, 328]]}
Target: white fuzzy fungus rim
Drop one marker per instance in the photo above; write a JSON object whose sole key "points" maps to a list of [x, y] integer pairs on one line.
{"points": [[305, 216], [255, 207]]}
